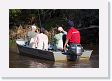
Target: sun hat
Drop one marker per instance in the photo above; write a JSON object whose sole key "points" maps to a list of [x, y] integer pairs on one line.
{"points": [[34, 27], [60, 29]]}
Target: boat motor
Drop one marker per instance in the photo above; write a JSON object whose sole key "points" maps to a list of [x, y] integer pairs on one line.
{"points": [[79, 50], [76, 49]]}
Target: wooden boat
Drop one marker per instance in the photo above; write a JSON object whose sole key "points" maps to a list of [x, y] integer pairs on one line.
{"points": [[49, 55]]}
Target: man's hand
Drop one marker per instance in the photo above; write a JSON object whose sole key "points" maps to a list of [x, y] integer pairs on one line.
{"points": [[64, 49]]}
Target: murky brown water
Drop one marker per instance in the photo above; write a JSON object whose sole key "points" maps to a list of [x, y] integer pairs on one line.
{"points": [[19, 61]]}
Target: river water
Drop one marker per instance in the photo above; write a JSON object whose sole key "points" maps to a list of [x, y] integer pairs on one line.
{"points": [[21, 61]]}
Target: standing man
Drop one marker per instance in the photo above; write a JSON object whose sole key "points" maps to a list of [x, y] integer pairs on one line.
{"points": [[72, 39]]}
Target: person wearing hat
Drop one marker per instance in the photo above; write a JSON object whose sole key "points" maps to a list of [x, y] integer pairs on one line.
{"points": [[32, 33], [59, 38], [72, 37], [31, 36]]}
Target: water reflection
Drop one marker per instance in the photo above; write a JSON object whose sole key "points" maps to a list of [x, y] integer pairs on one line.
{"points": [[21, 61]]}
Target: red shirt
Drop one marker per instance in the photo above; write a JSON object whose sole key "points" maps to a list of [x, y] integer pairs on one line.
{"points": [[73, 35]]}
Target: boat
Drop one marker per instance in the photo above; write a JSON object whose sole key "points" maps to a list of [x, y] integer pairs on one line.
{"points": [[24, 49]]}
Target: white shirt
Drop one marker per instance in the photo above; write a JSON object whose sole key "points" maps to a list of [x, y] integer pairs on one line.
{"points": [[33, 42], [42, 41]]}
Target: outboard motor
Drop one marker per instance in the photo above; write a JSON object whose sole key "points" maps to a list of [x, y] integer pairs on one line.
{"points": [[79, 50], [76, 49], [73, 51]]}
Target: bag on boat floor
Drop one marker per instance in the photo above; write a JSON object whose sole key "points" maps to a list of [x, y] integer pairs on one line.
{"points": [[75, 49]]}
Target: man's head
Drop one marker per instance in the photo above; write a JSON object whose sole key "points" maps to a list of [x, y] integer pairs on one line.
{"points": [[70, 24], [42, 30]]}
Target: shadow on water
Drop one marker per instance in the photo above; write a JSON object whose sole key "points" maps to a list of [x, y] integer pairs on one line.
{"points": [[22, 61]]}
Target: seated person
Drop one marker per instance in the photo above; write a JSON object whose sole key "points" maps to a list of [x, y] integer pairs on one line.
{"points": [[42, 40], [31, 37], [59, 38]]}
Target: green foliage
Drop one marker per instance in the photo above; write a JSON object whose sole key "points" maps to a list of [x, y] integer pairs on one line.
{"points": [[53, 17], [14, 12], [12, 43]]}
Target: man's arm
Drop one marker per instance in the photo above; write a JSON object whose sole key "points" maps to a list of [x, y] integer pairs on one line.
{"points": [[66, 42], [64, 32]]}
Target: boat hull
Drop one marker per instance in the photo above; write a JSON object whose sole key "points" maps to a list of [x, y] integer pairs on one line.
{"points": [[36, 52], [48, 55]]}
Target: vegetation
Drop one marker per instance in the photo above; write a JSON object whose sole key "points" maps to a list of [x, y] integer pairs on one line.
{"points": [[50, 18], [12, 43], [21, 19]]}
